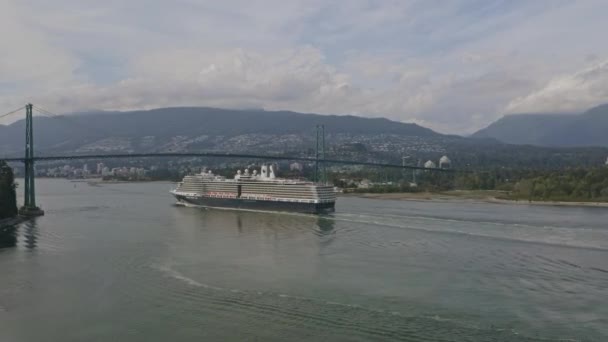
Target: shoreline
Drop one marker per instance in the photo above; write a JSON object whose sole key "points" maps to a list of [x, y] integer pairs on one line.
{"points": [[99, 181], [467, 196]]}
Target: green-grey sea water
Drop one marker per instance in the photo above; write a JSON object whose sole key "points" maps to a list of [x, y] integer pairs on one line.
{"points": [[120, 262]]}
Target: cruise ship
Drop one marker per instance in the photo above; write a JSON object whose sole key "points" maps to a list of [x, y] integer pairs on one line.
{"points": [[255, 191]]}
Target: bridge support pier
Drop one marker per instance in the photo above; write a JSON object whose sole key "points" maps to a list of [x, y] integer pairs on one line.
{"points": [[29, 207]]}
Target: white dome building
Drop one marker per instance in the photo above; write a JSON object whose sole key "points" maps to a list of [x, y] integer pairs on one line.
{"points": [[445, 162], [430, 164]]}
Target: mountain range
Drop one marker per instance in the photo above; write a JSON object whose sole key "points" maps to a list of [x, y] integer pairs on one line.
{"points": [[195, 129], [192, 129], [557, 130]]}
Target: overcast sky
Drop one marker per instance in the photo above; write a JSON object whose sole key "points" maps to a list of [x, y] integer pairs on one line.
{"points": [[453, 66]]}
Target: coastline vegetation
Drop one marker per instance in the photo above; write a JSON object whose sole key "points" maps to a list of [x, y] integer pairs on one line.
{"points": [[572, 185], [8, 196], [567, 185]]}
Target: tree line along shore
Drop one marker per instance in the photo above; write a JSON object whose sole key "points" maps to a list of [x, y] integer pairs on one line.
{"points": [[575, 186]]}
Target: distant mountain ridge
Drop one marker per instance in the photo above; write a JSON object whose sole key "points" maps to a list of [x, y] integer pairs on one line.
{"points": [[555, 130], [150, 130], [192, 129]]}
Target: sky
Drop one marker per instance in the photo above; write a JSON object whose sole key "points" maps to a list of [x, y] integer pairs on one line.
{"points": [[453, 66]]}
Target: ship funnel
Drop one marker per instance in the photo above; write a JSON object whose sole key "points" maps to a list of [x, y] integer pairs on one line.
{"points": [[271, 174], [264, 172]]}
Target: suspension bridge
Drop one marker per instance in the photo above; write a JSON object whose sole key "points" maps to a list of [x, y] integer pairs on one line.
{"points": [[30, 208]]}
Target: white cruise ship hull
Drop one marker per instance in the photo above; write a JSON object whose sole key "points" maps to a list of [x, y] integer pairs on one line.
{"points": [[253, 204]]}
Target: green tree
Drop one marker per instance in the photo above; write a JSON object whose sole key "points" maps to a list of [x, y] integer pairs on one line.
{"points": [[8, 196]]}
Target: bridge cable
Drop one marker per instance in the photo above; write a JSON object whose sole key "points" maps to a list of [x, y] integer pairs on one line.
{"points": [[12, 112]]}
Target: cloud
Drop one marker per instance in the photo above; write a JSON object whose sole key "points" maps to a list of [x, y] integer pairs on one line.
{"points": [[228, 78], [455, 67], [568, 94], [28, 58], [296, 79]]}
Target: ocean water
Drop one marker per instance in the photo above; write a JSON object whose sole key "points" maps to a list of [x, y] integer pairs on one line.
{"points": [[121, 262]]}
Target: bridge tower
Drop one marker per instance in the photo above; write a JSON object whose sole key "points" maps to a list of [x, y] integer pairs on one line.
{"points": [[29, 207], [320, 170]]}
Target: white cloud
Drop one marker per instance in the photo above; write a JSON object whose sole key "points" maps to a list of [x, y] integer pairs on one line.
{"points": [[454, 67], [28, 59], [569, 94]]}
